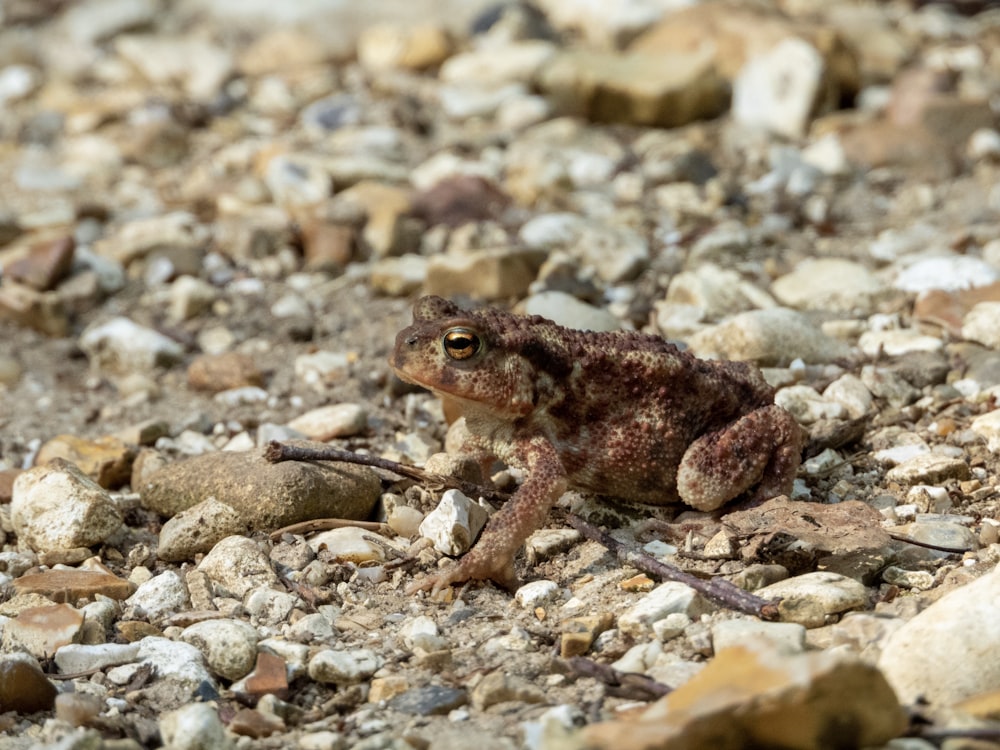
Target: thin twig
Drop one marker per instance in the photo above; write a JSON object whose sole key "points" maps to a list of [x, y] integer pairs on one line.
{"points": [[621, 684], [718, 590], [276, 452], [325, 524], [927, 545]]}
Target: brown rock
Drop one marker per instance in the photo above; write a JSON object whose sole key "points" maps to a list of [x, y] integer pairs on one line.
{"points": [[220, 372], [41, 311], [24, 688], [386, 688], [269, 677], [107, 460], [459, 200], [249, 722], [42, 630], [7, 477], [73, 585], [666, 89], [756, 697], [135, 630], [45, 265], [327, 246], [144, 433], [387, 209], [268, 495]]}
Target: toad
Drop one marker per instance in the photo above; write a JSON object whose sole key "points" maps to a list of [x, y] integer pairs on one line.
{"points": [[619, 414]]}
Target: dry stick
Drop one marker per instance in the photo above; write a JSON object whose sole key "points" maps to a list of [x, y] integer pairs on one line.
{"points": [[325, 524], [276, 452], [621, 684], [718, 590], [927, 545]]}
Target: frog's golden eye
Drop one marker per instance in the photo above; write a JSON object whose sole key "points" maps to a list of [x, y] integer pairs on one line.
{"points": [[461, 343]]}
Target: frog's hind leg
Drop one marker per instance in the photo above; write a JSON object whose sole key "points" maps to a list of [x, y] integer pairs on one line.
{"points": [[761, 450]]}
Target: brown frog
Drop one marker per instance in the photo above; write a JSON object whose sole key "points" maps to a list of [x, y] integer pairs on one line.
{"points": [[622, 414]]}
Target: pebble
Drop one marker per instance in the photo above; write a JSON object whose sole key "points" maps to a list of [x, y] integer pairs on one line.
{"points": [[177, 663], [785, 637], [350, 544], [454, 524], [832, 284], [809, 599], [267, 496], [121, 345], [24, 688], [344, 667], [948, 273], [433, 700], [850, 392], [41, 631], [322, 368], [955, 630], [193, 727], [198, 528], [71, 585], [162, 595], [238, 565], [270, 608], [568, 311], [777, 90], [332, 421], [269, 677], [772, 337], [422, 633], [715, 291], [107, 460], [928, 468], [499, 687], [897, 342], [807, 406], [536, 594], [229, 646], [57, 507], [667, 598], [78, 657]]}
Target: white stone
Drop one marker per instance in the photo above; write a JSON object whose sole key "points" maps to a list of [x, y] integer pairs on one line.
{"points": [[806, 405], [344, 667], [122, 345], [665, 599], [670, 626], [897, 342], [313, 628], [517, 62], [238, 565], [269, 607], [836, 284], [787, 637], [617, 253], [568, 311], [716, 291], [987, 426], [174, 661], [332, 421], [79, 657], [776, 90], [190, 297], [422, 632], [322, 368], [229, 646], [195, 726], [768, 337], [161, 595], [195, 61], [536, 593], [851, 393], [982, 324], [58, 507], [950, 273], [947, 652], [454, 524], [809, 598], [349, 544]]}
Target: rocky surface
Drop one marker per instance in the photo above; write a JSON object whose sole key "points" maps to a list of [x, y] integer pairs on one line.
{"points": [[214, 216]]}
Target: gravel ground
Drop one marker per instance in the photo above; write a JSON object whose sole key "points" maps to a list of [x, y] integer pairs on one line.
{"points": [[214, 218]]}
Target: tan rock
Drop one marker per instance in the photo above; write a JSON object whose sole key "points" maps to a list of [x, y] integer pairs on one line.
{"points": [[107, 460], [42, 630], [72, 585], [754, 696], [484, 274], [417, 47], [220, 372], [268, 495], [665, 89], [45, 264], [41, 311]]}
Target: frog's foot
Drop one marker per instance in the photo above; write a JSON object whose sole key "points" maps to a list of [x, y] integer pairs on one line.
{"points": [[472, 567]]}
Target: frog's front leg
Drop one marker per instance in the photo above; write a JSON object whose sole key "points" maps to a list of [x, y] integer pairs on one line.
{"points": [[760, 450], [492, 557]]}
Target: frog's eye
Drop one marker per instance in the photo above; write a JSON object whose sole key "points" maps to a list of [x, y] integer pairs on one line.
{"points": [[461, 343]]}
